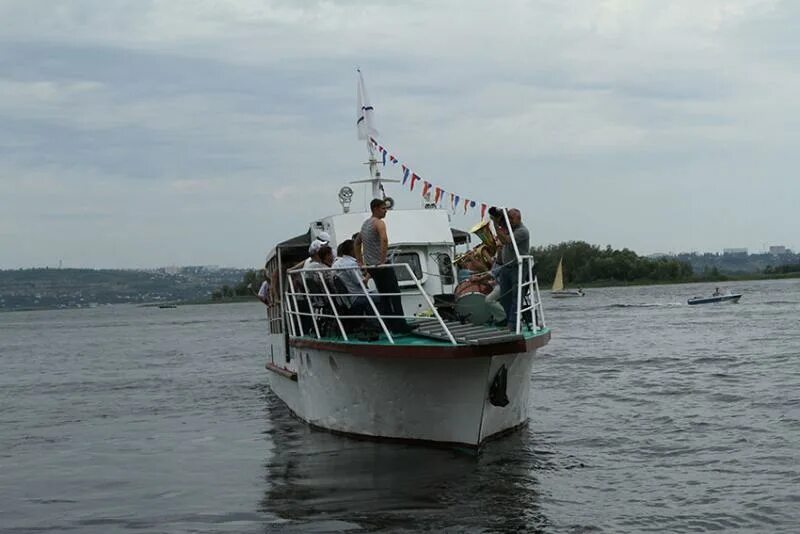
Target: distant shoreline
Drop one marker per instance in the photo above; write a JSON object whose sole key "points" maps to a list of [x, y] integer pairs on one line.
{"points": [[725, 279], [177, 304]]}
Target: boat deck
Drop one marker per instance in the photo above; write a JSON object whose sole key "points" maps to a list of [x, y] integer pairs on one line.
{"points": [[429, 333], [467, 334]]}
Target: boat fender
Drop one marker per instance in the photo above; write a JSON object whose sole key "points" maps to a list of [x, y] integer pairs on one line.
{"points": [[497, 391]]}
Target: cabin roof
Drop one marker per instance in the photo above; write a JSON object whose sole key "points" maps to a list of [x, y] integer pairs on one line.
{"points": [[403, 226]]}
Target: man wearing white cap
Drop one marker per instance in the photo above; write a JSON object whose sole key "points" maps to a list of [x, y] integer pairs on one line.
{"points": [[322, 239]]}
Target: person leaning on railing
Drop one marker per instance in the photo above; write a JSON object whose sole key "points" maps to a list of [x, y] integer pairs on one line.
{"points": [[348, 272], [508, 278], [303, 304], [264, 292], [371, 247]]}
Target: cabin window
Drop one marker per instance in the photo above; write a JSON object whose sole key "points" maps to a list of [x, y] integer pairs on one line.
{"points": [[445, 268], [413, 261]]}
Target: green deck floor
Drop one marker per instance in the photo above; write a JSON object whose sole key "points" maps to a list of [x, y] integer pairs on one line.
{"points": [[410, 339]]}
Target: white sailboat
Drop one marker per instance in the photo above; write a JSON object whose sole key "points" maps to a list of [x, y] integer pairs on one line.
{"points": [[558, 290]]}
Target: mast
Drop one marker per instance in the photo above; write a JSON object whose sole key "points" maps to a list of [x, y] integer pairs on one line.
{"points": [[366, 130], [374, 174]]}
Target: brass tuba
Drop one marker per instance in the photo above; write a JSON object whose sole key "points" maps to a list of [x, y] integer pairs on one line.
{"points": [[479, 258], [484, 232]]}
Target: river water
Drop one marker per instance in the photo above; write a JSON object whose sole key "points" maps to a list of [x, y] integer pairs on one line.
{"points": [[648, 416]]}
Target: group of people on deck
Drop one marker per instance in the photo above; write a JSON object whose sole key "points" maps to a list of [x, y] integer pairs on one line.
{"points": [[503, 273], [364, 256], [348, 270]]}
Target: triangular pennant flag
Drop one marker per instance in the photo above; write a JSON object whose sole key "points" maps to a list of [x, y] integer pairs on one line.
{"points": [[437, 195], [406, 170], [455, 202], [466, 204], [483, 211], [414, 178], [384, 158], [426, 186], [392, 159]]}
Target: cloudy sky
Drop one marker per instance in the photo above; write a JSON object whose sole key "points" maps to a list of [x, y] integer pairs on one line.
{"points": [[143, 133]]}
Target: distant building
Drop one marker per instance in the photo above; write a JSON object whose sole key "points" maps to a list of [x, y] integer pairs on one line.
{"points": [[734, 251], [777, 250]]}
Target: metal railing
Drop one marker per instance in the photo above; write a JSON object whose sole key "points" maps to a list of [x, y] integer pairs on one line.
{"points": [[532, 284], [317, 311], [535, 307], [321, 304]]}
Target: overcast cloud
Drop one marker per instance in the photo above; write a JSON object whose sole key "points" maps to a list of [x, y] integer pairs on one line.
{"points": [[138, 133]]}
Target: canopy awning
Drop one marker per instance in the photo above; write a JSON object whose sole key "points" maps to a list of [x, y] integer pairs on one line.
{"points": [[460, 237]]}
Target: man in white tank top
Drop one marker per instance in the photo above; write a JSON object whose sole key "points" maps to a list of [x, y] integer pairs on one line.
{"points": [[372, 245]]}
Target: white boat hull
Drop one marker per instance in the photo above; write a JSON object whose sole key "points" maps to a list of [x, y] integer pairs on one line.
{"points": [[437, 400]]}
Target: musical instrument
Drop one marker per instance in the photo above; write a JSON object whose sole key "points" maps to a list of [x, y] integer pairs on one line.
{"points": [[470, 298], [484, 233], [480, 258]]}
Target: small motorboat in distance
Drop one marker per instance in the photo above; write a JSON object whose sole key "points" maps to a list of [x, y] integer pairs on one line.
{"points": [[716, 297]]}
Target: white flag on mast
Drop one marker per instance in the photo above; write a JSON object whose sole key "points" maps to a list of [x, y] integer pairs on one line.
{"points": [[365, 121]]}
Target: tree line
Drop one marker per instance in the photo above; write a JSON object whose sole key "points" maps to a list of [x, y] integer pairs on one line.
{"points": [[248, 287], [583, 263], [586, 264]]}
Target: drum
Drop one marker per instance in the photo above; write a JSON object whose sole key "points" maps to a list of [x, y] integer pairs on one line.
{"points": [[470, 297]]}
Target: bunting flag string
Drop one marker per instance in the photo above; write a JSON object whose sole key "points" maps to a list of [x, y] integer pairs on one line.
{"points": [[426, 186], [456, 200]]}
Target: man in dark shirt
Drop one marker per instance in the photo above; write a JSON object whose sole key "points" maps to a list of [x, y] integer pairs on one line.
{"points": [[508, 259]]}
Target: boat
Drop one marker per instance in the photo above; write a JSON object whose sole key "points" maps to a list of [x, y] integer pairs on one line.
{"points": [[448, 382], [558, 291], [716, 298]]}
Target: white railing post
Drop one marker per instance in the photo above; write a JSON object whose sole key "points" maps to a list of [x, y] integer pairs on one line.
{"points": [[333, 306], [310, 303], [539, 306], [519, 292], [296, 307], [288, 313], [519, 267], [534, 303]]}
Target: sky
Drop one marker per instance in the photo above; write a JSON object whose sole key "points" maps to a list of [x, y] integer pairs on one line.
{"points": [[146, 133]]}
